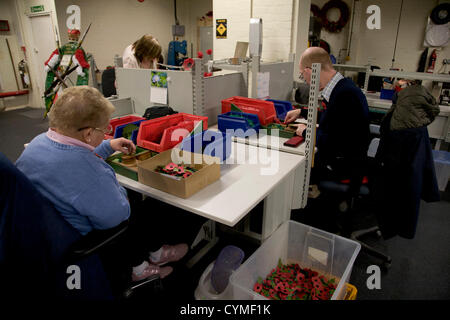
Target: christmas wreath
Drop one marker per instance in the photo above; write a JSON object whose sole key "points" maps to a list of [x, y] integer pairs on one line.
{"points": [[335, 26]]}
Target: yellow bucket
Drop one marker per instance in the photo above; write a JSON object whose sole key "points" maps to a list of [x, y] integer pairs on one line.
{"points": [[351, 292]]}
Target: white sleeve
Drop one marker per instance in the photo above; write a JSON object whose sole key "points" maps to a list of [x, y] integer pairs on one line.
{"points": [[79, 69]]}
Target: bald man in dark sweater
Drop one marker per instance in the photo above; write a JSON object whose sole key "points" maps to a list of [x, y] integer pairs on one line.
{"points": [[343, 133]]}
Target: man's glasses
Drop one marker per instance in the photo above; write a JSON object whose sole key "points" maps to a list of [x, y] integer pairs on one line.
{"points": [[301, 76]]}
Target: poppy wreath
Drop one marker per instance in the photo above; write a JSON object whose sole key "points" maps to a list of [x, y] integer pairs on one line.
{"points": [[335, 26]]}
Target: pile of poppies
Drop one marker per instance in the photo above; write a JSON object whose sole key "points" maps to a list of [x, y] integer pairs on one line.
{"points": [[291, 282], [176, 170]]}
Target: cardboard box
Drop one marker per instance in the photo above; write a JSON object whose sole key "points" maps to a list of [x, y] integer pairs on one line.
{"points": [[208, 172]]}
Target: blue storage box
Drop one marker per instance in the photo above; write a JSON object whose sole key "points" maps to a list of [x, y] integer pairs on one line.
{"points": [[209, 142], [386, 94], [240, 126], [281, 107], [119, 131]]}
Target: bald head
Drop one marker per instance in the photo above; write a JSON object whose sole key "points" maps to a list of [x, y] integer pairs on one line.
{"points": [[316, 55]]}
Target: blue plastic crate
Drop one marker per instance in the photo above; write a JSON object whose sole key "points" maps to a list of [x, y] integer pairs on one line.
{"points": [[240, 126], [281, 107], [119, 130], [387, 94], [209, 142]]}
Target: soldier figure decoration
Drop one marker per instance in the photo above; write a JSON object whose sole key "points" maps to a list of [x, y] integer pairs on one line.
{"points": [[61, 62]]}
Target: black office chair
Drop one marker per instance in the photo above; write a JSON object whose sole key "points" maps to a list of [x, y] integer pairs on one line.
{"points": [[348, 207], [37, 247], [108, 79]]}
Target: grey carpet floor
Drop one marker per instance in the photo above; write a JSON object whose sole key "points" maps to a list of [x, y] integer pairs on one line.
{"points": [[18, 127]]}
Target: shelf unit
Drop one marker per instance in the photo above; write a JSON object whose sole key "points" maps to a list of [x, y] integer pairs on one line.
{"points": [[439, 129], [392, 73]]}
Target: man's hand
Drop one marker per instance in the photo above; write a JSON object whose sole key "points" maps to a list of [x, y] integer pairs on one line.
{"points": [[123, 145], [292, 116], [300, 128]]}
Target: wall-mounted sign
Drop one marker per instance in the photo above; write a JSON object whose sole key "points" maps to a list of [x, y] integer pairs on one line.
{"points": [[221, 28], [4, 25], [37, 8]]}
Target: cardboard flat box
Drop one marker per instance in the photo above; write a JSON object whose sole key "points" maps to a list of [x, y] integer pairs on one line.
{"points": [[208, 171]]}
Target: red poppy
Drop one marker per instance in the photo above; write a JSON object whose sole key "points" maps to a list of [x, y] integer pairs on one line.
{"points": [[257, 287]]}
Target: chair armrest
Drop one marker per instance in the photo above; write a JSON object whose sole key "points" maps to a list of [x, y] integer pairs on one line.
{"points": [[94, 241]]}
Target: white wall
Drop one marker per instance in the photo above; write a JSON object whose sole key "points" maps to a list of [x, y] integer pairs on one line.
{"points": [[20, 10], [285, 27], [277, 26], [7, 67], [237, 13], [118, 23], [195, 10], [300, 30], [338, 40], [378, 45]]}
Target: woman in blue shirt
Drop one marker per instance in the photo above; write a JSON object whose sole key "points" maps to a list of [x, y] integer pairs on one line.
{"points": [[66, 164]]}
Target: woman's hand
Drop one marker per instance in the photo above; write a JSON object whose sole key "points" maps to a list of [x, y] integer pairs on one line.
{"points": [[292, 116], [123, 145]]}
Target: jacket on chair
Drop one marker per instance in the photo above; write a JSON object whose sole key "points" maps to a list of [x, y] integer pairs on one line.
{"points": [[34, 239], [405, 175]]}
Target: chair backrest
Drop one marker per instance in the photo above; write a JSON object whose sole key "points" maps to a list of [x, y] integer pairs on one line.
{"points": [[34, 239], [108, 79]]}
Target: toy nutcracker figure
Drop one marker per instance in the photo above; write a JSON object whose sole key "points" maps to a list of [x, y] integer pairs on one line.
{"points": [[69, 56]]}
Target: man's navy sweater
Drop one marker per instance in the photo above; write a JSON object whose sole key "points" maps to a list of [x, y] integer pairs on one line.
{"points": [[343, 133]]}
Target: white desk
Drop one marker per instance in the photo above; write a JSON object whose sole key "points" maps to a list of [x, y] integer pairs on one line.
{"points": [[242, 185], [276, 143], [272, 142], [268, 141]]}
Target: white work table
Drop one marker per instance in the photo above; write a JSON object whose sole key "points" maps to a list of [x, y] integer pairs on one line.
{"points": [[264, 140], [438, 129], [374, 101], [241, 187], [272, 142]]}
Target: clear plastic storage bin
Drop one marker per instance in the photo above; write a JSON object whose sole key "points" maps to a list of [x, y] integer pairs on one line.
{"points": [[442, 167], [293, 242]]}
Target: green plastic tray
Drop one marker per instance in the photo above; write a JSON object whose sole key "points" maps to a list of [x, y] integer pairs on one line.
{"points": [[281, 133], [115, 161]]}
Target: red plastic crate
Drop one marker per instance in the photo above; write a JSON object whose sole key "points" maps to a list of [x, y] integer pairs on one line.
{"points": [[264, 109], [156, 134], [114, 123]]}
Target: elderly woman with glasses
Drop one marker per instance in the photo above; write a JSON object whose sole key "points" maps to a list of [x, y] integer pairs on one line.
{"points": [[66, 164]]}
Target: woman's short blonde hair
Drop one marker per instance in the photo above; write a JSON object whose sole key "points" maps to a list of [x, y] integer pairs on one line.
{"points": [[80, 107], [146, 46]]}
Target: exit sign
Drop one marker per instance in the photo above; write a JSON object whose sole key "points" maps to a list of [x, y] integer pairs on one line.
{"points": [[37, 8]]}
